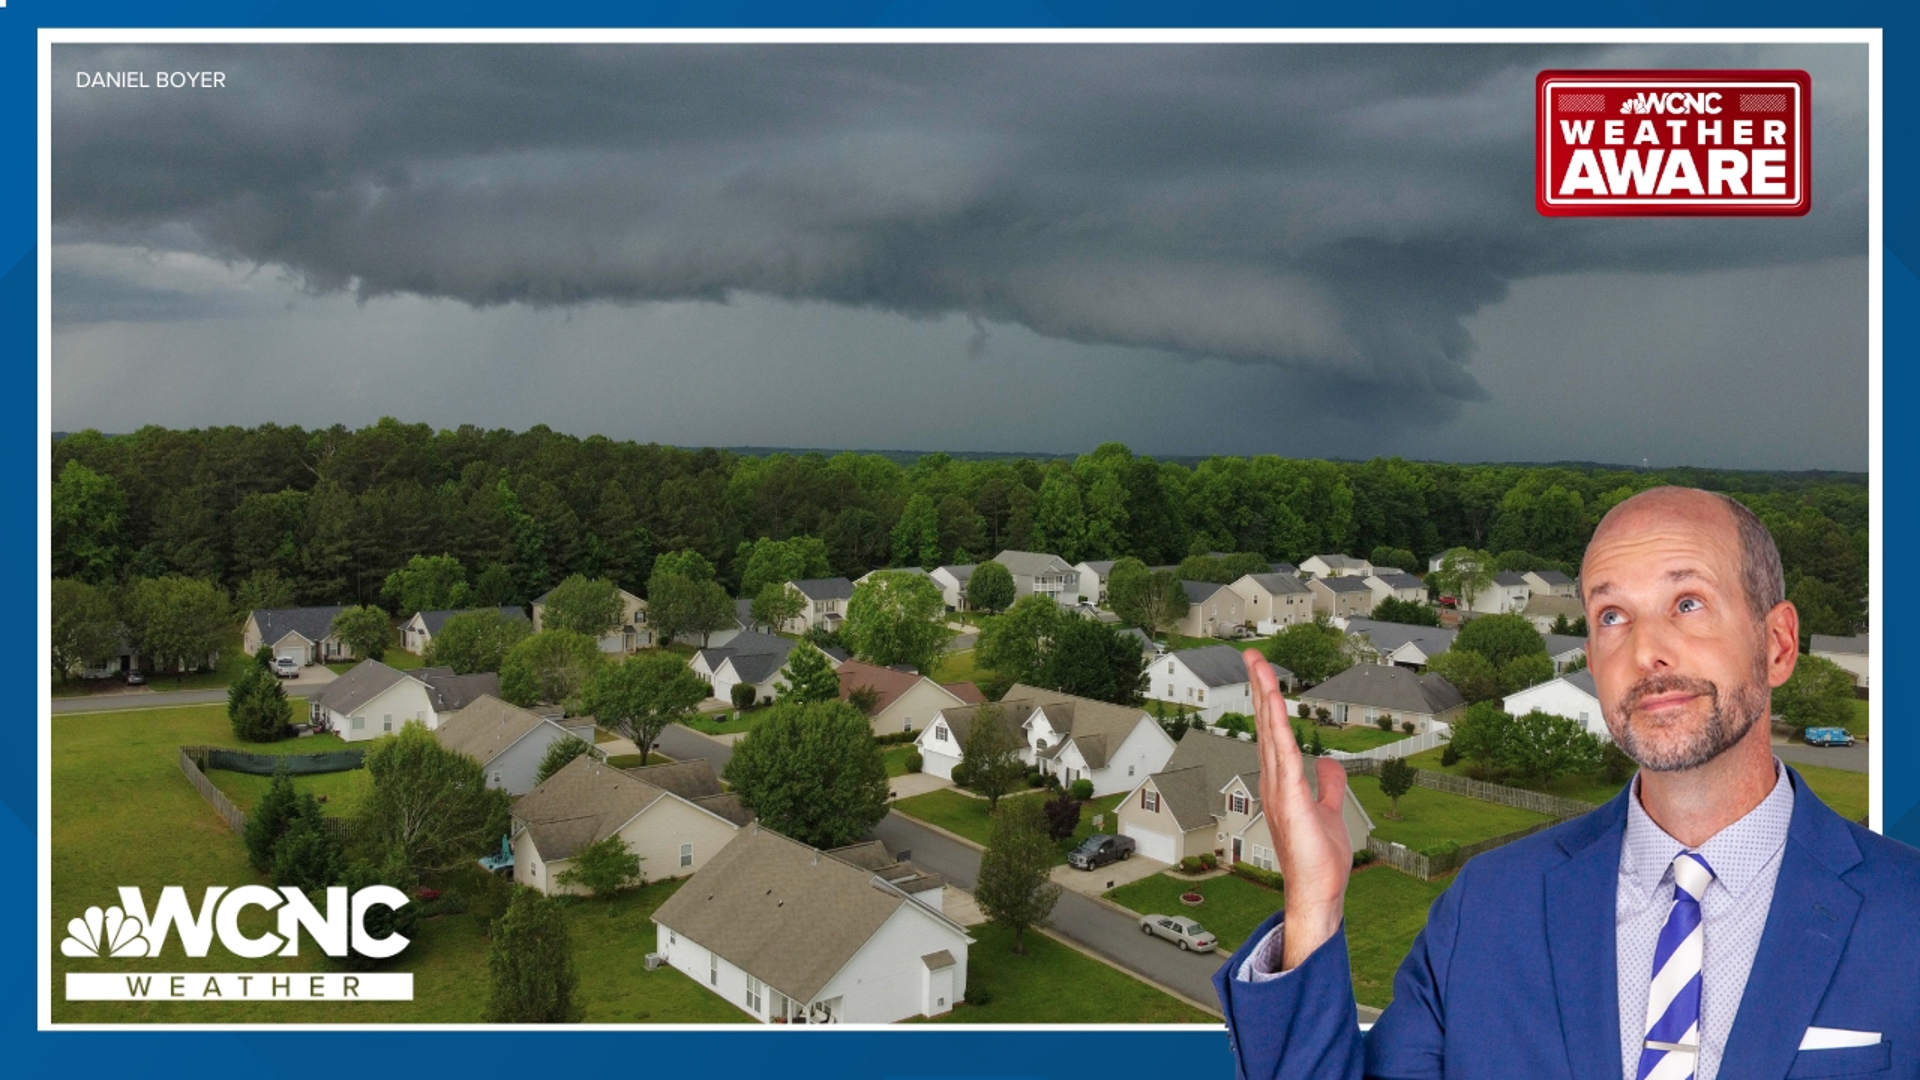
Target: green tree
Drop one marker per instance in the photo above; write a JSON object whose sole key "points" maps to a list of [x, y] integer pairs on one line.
{"points": [[767, 562], [560, 753], [177, 624], [1480, 735], [1015, 886], [1399, 558], [428, 804], [383, 866], [257, 706], [494, 587], [1470, 673], [1015, 644], [1059, 517], [86, 629], [1500, 638], [776, 605], [1238, 723], [897, 618], [309, 854], [990, 588], [639, 696], [551, 666], [1541, 746], [427, 583], [476, 641], [364, 629], [584, 605], [602, 868], [1091, 659], [742, 695], [1819, 693], [269, 820], [1410, 612], [1314, 651], [810, 676], [678, 603], [990, 762], [1396, 779], [916, 536], [89, 518], [1521, 672], [812, 772], [530, 967], [264, 590], [1464, 573], [685, 563]]}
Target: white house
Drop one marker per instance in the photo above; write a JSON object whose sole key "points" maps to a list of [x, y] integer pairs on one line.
{"points": [[1342, 597], [629, 632], [1094, 575], [303, 634], [1062, 735], [1326, 566], [1365, 692], [793, 934], [1551, 583], [675, 817], [1396, 585], [1275, 601], [1037, 573], [1571, 695], [1212, 610], [372, 699], [1505, 594], [953, 584], [905, 700], [418, 632], [1564, 649], [1401, 644], [509, 742], [1210, 680], [1851, 653], [826, 603]]}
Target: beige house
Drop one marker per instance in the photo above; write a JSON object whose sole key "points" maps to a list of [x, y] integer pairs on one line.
{"points": [[1035, 573], [907, 701], [304, 635], [1275, 601], [675, 817], [1544, 608], [1207, 801], [1212, 610], [1396, 585], [418, 632], [1365, 692], [1551, 583], [825, 603], [1342, 597], [1326, 566], [952, 581], [629, 634]]}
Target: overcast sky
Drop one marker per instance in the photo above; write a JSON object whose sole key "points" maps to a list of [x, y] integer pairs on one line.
{"points": [[1325, 251]]}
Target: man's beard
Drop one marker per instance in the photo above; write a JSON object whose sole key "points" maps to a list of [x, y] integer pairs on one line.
{"points": [[1726, 724]]}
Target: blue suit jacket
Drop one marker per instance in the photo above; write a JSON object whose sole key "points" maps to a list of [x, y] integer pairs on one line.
{"points": [[1514, 974]]}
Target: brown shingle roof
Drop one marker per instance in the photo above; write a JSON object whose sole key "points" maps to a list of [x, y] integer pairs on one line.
{"points": [[582, 804], [1096, 727], [486, 728], [688, 779]]}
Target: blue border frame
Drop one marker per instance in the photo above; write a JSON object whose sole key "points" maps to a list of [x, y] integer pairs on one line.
{"points": [[698, 1056]]}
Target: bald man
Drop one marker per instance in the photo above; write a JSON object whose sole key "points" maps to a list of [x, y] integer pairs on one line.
{"points": [[1713, 920]]}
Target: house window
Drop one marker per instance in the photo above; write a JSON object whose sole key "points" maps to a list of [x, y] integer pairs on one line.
{"points": [[1169, 667], [909, 724], [673, 938], [754, 988], [1150, 801], [1238, 802], [359, 723], [713, 969], [1169, 689], [1129, 770], [940, 734], [386, 722], [1203, 695], [686, 854]]}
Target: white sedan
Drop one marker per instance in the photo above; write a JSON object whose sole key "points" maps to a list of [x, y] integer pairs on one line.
{"points": [[1189, 935]]}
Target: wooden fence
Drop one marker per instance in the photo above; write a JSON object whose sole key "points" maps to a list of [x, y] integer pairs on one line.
{"points": [[1428, 867], [192, 762]]}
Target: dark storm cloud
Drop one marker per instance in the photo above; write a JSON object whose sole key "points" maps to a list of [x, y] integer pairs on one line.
{"points": [[1337, 211]]}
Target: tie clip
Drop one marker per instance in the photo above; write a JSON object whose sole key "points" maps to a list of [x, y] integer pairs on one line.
{"points": [[1680, 1048]]}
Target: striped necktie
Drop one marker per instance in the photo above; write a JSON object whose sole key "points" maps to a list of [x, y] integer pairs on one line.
{"points": [[1673, 1002]]}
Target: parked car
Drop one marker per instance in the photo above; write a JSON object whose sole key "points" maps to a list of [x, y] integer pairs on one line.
{"points": [[1189, 935], [1099, 850], [286, 667], [1829, 736], [134, 678], [1448, 601]]}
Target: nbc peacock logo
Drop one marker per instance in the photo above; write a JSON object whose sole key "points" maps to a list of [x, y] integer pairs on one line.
{"points": [[109, 934]]}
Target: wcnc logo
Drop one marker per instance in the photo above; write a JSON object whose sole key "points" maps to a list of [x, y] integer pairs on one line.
{"points": [[338, 928]]}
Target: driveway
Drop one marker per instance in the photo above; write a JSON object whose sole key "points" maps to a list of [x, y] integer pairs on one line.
{"points": [[682, 743], [1110, 876], [910, 784]]}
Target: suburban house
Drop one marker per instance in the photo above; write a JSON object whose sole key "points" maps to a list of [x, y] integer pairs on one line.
{"points": [[1564, 649], [372, 699], [1544, 609], [1506, 593], [1401, 644], [1093, 579], [1342, 597], [1209, 680], [1148, 648], [1571, 695], [1551, 583], [953, 584], [305, 634], [1365, 692], [508, 741], [826, 603], [1283, 568], [418, 632], [629, 633], [1326, 566], [1849, 652], [1434, 563], [1275, 601], [1396, 585], [1037, 573], [914, 570], [675, 817], [792, 934], [1212, 610], [1062, 735], [750, 657], [908, 700], [1207, 800]]}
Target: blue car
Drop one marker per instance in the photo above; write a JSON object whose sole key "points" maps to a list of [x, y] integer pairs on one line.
{"points": [[1829, 736]]}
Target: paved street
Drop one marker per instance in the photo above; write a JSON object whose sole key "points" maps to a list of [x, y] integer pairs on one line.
{"points": [[683, 744], [1853, 758], [158, 699]]}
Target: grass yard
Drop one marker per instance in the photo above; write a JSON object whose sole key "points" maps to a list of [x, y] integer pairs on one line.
{"points": [[728, 722], [1430, 818], [231, 659], [342, 791], [1588, 789], [967, 815], [1843, 790], [1054, 984], [896, 758], [1385, 909], [1355, 737], [123, 815], [1859, 725], [957, 667]]}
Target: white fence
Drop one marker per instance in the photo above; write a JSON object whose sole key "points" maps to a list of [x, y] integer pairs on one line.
{"points": [[1412, 744]]}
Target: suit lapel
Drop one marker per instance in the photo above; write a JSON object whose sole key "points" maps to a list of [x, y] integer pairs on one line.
{"points": [[1807, 927], [1581, 898]]}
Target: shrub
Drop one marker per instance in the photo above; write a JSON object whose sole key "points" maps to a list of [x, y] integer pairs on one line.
{"points": [[1441, 849], [1191, 865], [1384, 723], [1208, 861], [914, 761], [1036, 779], [1271, 879], [979, 996], [308, 854], [895, 737], [1363, 857], [742, 695], [1063, 815], [1450, 755], [1407, 726], [1082, 789], [269, 820], [1615, 766]]}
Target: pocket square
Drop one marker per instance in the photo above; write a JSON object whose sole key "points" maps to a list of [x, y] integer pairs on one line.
{"points": [[1823, 1038]]}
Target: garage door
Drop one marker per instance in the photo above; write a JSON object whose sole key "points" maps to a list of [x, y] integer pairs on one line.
{"points": [[1153, 845], [296, 653], [940, 765]]}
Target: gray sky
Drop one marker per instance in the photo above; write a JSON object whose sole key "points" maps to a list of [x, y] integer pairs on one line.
{"points": [[1326, 251]]}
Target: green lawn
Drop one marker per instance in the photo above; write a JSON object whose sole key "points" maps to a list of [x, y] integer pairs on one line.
{"points": [[123, 815], [1589, 789], [1429, 818], [1385, 909], [967, 815], [896, 758], [341, 791], [1054, 984], [1859, 725], [1843, 790], [735, 720], [956, 667], [1355, 737]]}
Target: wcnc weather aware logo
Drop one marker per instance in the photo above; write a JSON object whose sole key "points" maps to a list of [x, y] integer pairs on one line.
{"points": [[337, 927]]}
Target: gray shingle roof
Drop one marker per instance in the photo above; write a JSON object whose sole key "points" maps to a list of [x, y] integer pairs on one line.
{"points": [[434, 620], [1097, 728], [1509, 577], [312, 623], [1198, 591], [690, 780], [1562, 644], [1388, 636], [1344, 584], [1553, 577], [1397, 579], [486, 728], [1284, 568], [1583, 679], [1202, 764], [1033, 563], [1342, 562], [1214, 665], [1383, 686], [1012, 715], [583, 803], [1856, 644], [1101, 567], [961, 573], [1279, 583], [362, 683], [450, 692], [831, 588]]}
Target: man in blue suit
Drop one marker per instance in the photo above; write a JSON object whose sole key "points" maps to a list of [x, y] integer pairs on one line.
{"points": [[1715, 920]]}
